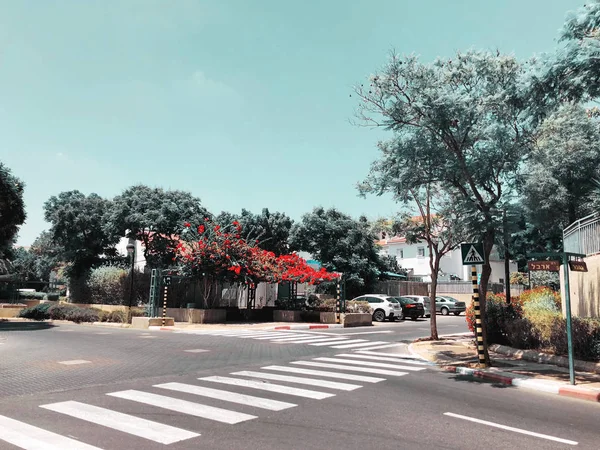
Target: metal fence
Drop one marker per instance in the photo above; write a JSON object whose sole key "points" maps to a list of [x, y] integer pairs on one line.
{"points": [[398, 288], [466, 287], [583, 236]]}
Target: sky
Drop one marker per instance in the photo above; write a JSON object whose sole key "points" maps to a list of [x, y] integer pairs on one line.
{"points": [[244, 104]]}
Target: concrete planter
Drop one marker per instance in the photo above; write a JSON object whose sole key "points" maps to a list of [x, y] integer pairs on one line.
{"points": [[357, 320], [145, 322], [197, 315]]}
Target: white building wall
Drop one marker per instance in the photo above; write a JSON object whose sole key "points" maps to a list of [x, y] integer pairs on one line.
{"points": [[140, 260]]}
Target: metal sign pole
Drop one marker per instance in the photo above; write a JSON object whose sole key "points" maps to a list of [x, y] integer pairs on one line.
{"points": [[568, 311]]}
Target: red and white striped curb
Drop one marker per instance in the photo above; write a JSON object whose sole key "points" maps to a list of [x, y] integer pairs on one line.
{"points": [[306, 327], [548, 386]]}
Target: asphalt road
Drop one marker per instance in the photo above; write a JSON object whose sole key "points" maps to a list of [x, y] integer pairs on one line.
{"points": [[85, 387]]}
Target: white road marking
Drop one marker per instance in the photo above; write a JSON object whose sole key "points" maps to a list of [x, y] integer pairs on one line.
{"points": [[387, 355], [370, 364], [146, 337], [516, 430], [74, 362], [103, 333], [384, 346], [259, 335], [299, 380], [147, 429], [304, 340], [196, 350], [352, 341], [381, 358], [183, 406], [227, 396], [324, 373], [29, 437], [299, 337], [362, 344], [269, 387], [366, 332], [352, 369], [272, 336]]}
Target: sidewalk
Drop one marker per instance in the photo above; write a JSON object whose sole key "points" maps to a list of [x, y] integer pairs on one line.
{"points": [[457, 354]]}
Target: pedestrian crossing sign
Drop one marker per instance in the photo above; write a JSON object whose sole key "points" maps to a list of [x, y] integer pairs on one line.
{"points": [[472, 253]]}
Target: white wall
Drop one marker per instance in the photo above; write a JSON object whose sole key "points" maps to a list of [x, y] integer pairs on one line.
{"points": [[140, 261]]}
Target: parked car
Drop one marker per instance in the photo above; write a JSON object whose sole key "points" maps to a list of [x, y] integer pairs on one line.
{"points": [[384, 306], [446, 305], [424, 300], [411, 308]]}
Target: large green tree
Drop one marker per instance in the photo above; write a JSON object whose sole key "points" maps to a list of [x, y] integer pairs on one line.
{"points": [[271, 230], [77, 227], [559, 178], [156, 217], [341, 244], [471, 111], [12, 210]]}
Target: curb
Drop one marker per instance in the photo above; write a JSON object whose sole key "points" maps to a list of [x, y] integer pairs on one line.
{"points": [[306, 327], [416, 354], [547, 386]]}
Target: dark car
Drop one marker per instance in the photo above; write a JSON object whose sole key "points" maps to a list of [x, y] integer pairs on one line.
{"points": [[411, 308]]}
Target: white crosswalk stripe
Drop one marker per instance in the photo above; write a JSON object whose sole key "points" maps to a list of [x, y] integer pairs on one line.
{"points": [[183, 406], [299, 380], [29, 437], [306, 340], [377, 347], [370, 364], [387, 355], [147, 429], [336, 340], [242, 399], [361, 344], [383, 358], [351, 368], [269, 387], [324, 373]]}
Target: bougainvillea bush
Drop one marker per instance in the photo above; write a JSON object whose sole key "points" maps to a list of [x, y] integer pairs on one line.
{"points": [[214, 254]]}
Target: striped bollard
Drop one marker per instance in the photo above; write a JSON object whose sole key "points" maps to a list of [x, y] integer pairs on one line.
{"points": [[164, 311], [478, 324]]}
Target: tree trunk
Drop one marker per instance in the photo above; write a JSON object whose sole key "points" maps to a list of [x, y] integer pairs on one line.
{"points": [[488, 243], [506, 258], [432, 295]]}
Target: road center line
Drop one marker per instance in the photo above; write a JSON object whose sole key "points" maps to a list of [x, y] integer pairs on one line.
{"points": [[516, 430]]}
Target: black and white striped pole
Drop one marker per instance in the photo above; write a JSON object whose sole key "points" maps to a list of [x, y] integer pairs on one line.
{"points": [[338, 300], [478, 324], [167, 283]]}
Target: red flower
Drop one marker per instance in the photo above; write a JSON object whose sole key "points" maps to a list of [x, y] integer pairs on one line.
{"points": [[187, 224], [201, 229], [235, 223], [217, 227]]}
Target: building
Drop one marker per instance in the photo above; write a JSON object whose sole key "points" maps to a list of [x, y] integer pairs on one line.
{"points": [[415, 259]]}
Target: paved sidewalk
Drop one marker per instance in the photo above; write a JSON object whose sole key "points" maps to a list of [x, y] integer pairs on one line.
{"points": [[457, 354]]}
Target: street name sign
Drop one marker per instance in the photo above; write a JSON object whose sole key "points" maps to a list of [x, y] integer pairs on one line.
{"points": [[472, 253], [578, 266], [550, 266]]}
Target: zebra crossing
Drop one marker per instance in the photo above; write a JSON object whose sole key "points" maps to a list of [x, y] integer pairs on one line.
{"points": [[317, 379], [314, 338]]}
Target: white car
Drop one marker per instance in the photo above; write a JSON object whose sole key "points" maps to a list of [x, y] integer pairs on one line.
{"points": [[384, 306]]}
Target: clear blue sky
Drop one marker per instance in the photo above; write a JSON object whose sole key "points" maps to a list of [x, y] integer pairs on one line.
{"points": [[245, 104]]}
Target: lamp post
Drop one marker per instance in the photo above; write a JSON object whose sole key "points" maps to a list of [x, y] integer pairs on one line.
{"points": [[131, 251]]}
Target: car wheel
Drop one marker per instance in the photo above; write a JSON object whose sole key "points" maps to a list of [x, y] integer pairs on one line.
{"points": [[457, 313], [413, 318], [445, 311], [401, 316], [379, 316]]}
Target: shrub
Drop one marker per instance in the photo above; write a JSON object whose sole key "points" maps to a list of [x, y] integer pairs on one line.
{"points": [[52, 296], [107, 285], [82, 315], [586, 338], [497, 315], [116, 316], [33, 295], [61, 311], [358, 307], [37, 312], [521, 333], [541, 294]]}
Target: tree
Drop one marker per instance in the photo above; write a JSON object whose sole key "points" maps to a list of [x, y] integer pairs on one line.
{"points": [[155, 217], [12, 209], [407, 172], [468, 116], [23, 265], [271, 230], [48, 255], [341, 244], [77, 228], [570, 73], [560, 174]]}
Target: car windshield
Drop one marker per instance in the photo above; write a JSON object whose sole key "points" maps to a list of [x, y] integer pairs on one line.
{"points": [[404, 300]]}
